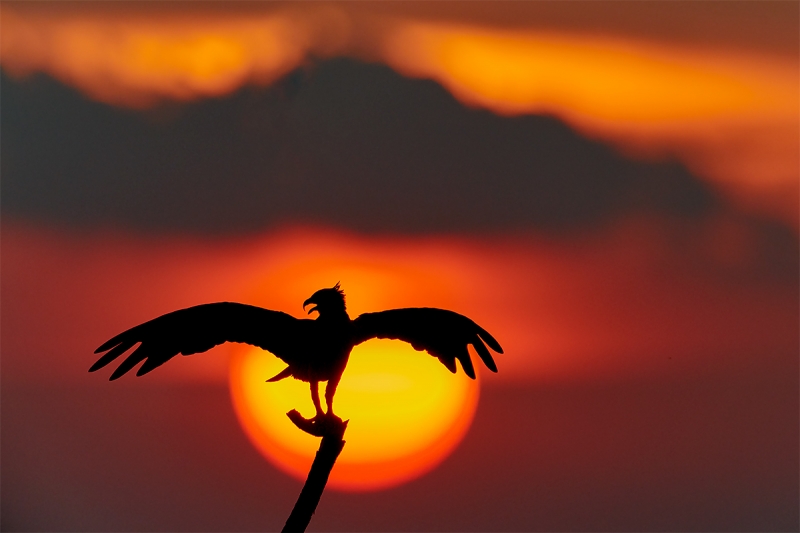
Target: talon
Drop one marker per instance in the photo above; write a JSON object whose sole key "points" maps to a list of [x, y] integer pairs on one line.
{"points": [[321, 425], [324, 418]]}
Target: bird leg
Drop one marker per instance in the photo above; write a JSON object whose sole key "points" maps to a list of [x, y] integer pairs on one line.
{"points": [[315, 398], [323, 423], [330, 390]]}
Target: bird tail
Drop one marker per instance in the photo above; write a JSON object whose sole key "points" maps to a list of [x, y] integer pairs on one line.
{"points": [[283, 374]]}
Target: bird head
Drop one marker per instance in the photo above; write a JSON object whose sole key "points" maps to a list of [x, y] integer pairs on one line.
{"points": [[326, 301]]}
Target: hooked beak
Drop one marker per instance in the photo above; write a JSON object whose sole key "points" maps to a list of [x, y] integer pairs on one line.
{"points": [[307, 303]]}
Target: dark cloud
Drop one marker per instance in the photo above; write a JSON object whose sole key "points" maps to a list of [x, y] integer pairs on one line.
{"points": [[340, 142]]}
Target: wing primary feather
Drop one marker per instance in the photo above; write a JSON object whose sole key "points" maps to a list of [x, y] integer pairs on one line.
{"points": [[488, 339], [118, 339], [151, 363], [109, 343], [132, 360], [466, 362], [484, 354], [113, 354]]}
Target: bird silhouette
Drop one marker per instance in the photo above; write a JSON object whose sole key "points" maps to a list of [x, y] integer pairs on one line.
{"points": [[314, 350]]}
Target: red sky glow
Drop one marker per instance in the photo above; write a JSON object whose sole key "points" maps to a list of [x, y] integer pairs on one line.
{"points": [[612, 189], [563, 312]]}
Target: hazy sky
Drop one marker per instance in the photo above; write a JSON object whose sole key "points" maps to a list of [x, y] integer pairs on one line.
{"points": [[609, 187]]}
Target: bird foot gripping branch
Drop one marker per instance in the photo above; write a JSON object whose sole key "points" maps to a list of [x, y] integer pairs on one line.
{"points": [[327, 425]]}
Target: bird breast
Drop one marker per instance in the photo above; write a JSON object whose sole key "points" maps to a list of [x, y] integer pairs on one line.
{"points": [[324, 353]]}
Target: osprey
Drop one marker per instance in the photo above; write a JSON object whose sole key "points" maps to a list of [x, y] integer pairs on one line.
{"points": [[314, 350]]}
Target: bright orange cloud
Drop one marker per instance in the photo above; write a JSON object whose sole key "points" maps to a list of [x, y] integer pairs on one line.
{"points": [[137, 60], [598, 82]]}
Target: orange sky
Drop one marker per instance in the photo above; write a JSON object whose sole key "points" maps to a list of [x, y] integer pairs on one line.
{"points": [[640, 365], [727, 107], [699, 313], [624, 305], [730, 111]]}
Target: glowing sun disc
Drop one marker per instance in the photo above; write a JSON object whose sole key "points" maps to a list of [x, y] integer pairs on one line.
{"points": [[407, 412]]}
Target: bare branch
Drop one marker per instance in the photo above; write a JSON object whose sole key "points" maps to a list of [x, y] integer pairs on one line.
{"points": [[331, 428]]}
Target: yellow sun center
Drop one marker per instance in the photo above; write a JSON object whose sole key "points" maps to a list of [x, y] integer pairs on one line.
{"points": [[406, 412]]}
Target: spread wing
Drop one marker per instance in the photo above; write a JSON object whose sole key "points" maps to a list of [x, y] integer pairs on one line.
{"points": [[198, 329], [443, 334]]}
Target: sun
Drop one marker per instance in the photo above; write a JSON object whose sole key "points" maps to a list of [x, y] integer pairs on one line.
{"points": [[407, 412]]}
